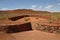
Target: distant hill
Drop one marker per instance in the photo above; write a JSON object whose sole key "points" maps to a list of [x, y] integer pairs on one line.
{"points": [[23, 11], [18, 12]]}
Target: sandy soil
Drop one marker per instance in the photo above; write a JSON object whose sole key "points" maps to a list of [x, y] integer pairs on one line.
{"points": [[4, 36], [36, 35]]}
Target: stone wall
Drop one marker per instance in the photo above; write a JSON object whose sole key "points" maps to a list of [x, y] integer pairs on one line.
{"points": [[48, 28]]}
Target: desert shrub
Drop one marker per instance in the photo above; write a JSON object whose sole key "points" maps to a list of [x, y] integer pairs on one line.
{"points": [[26, 19]]}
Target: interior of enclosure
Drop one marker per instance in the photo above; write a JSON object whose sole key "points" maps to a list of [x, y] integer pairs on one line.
{"points": [[17, 17], [19, 28]]}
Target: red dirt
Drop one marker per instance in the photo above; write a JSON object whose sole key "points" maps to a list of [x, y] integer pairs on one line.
{"points": [[36, 35]]}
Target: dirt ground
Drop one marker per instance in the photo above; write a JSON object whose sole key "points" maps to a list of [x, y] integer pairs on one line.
{"points": [[4, 36], [36, 35], [30, 35]]}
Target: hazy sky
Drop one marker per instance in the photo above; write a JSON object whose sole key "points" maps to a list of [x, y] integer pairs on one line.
{"points": [[47, 5]]}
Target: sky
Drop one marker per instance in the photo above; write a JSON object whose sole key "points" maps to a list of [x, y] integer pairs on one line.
{"points": [[39, 5]]}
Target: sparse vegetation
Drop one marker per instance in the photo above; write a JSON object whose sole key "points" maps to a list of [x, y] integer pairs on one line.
{"points": [[52, 17], [6, 14]]}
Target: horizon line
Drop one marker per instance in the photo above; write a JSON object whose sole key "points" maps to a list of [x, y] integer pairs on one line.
{"points": [[26, 9]]}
